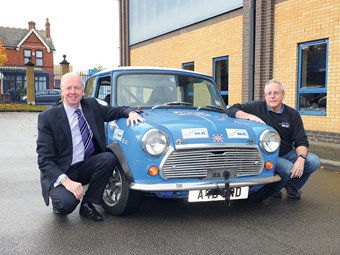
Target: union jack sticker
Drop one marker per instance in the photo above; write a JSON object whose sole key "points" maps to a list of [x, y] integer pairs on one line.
{"points": [[218, 138]]}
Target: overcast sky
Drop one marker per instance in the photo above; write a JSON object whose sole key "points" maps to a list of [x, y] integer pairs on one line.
{"points": [[86, 31]]}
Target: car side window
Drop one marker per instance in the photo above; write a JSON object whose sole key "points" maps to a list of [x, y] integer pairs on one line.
{"points": [[90, 87], [103, 91]]}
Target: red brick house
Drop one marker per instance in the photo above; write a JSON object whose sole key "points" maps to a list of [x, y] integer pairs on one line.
{"points": [[23, 45]]}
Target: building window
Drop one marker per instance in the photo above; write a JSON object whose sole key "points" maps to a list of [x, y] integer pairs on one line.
{"points": [[189, 66], [39, 58], [14, 83], [40, 83], [221, 76], [27, 56], [312, 77]]}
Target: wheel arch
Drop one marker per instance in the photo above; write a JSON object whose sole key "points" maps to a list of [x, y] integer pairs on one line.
{"points": [[118, 152]]}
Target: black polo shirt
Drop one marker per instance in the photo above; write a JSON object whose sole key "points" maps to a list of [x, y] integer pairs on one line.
{"points": [[288, 123]]}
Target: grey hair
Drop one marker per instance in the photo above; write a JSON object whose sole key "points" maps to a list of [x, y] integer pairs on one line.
{"points": [[274, 81], [68, 75]]}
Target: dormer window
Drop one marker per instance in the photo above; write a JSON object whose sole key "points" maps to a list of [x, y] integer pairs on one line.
{"points": [[27, 56]]}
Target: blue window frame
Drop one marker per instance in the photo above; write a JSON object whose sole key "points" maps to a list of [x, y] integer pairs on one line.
{"points": [[312, 77], [221, 76], [40, 82]]}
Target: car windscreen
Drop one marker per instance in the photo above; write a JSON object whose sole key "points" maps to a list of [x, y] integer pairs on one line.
{"points": [[149, 90]]}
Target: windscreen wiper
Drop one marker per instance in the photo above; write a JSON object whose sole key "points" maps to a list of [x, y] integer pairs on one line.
{"points": [[171, 104], [210, 107]]}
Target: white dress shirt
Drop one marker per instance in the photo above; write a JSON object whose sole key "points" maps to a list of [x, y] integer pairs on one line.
{"points": [[77, 142]]}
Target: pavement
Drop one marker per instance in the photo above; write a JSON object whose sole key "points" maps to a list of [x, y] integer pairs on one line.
{"points": [[328, 153], [276, 226]]}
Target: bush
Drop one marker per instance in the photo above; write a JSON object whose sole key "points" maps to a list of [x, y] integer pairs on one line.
{"points": [[22, 108]]}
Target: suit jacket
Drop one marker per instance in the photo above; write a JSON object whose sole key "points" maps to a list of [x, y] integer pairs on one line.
{"points": [[54, 142]]}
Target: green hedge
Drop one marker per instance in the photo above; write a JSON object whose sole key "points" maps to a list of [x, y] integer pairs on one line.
{"points": [[22, 108]]}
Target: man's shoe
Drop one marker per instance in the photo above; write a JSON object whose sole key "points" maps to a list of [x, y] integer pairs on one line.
{"points": [[56, 211], [292, 192], [89, 211], [277, 194]]}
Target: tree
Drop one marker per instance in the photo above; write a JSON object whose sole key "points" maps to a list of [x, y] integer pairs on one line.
{"points": [[3, 55], [98, 67]]}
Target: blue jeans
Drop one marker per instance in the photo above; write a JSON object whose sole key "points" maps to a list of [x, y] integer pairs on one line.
{"points": [[285, 164]]}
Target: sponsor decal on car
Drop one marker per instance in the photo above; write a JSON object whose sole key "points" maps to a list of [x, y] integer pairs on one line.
{"points": [[112, 124], [118, 134], [189, 133], [237, 133], [217, 138]]}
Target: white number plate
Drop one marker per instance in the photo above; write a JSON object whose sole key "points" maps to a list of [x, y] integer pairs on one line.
{"points": [[235, 193]]}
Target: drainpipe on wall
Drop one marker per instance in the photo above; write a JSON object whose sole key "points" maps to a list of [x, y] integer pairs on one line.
{"points": [[251, 67]]}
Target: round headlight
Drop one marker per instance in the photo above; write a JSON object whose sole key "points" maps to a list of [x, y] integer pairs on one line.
{"points": [[270, 141], [154, 142]]}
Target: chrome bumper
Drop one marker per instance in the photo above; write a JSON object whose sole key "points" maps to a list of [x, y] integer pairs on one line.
{"points": [[202, 185]]}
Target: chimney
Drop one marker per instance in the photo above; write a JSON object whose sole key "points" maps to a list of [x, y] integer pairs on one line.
{"points": [[47, 29], [31, 25]]}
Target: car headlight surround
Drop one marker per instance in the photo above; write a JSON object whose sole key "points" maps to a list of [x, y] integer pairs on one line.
{"points": [[270, 141], [155, 142]]}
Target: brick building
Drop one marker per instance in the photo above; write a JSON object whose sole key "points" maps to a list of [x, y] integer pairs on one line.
{"points": [[243, 44], [23, 45]]}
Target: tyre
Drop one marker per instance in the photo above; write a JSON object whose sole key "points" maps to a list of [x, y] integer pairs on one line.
{"points": [[117, 198]]}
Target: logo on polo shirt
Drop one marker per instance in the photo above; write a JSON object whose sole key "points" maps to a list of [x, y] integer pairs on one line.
{"points": [[284, 125]]}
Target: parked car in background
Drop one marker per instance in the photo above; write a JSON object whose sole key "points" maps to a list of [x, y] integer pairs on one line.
{"points": [[45, 97], [187, 148]]}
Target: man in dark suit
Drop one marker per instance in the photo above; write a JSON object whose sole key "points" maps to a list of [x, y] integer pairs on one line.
{"points": [[71, 149]]}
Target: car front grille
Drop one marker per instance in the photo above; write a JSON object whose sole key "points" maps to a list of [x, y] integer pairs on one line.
{"points": [[191, 162]]}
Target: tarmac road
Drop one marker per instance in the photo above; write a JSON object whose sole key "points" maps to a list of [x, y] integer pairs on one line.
{"points": [[275, 226]]}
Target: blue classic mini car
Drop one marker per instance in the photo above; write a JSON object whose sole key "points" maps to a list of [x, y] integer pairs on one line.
{"points": [[187, 147]]}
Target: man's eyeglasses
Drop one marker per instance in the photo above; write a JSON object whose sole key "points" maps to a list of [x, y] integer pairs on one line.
{"points": [[273, 93]]}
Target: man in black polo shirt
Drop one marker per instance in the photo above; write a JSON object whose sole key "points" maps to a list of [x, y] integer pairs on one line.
{"points": [[295, 164]]}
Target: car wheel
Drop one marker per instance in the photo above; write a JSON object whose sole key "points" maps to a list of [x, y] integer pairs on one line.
{"points": [[117, 198]]}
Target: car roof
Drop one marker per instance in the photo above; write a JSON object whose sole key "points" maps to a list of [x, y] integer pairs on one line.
{"points": [[149, 68]]}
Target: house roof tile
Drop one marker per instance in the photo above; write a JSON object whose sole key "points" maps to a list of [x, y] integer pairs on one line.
{"points": [[11, 37]]}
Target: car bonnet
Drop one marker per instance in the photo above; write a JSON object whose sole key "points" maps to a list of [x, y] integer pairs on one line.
{"points": [[192, 126]]}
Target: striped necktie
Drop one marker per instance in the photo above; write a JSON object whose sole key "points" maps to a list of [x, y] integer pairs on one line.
{"points": [[85, 134]]}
